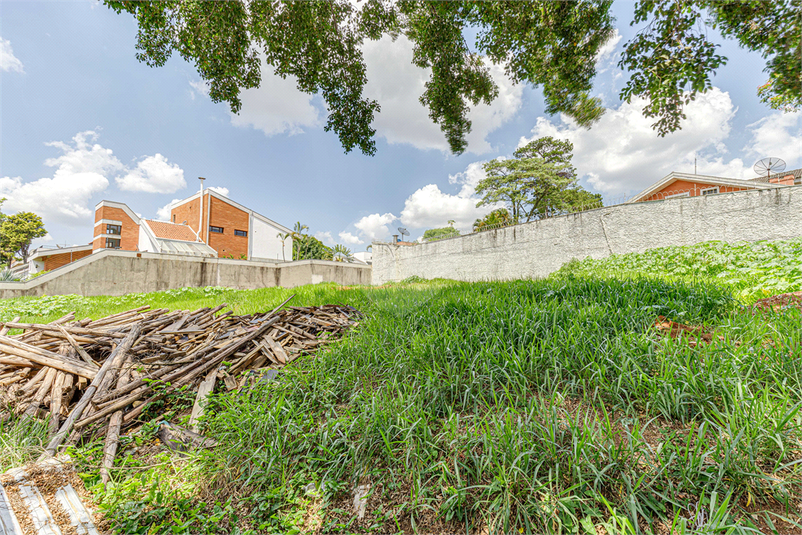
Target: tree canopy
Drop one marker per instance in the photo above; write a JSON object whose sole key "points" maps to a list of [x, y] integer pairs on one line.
{"points": [[672, 58], [306, 247], [551, 45], [434, 234], [500, 217], [16, 234], [538, 181], [341, 253]]}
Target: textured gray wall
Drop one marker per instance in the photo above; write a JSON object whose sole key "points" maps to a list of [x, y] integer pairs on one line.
{"points": [[541, 247], [121, 272]]}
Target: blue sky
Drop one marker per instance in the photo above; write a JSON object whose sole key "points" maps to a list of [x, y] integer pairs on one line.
{"points": [[81, 120]]}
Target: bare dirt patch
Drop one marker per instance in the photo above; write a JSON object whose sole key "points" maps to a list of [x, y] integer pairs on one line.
{"points": [[694, 334], [780, 302]]}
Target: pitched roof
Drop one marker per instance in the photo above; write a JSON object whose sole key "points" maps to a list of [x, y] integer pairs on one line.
{"points": [[47, 251], [699, 179], [796, 173], [171, 231]]}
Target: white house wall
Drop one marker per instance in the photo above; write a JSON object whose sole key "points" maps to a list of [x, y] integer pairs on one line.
{"points": [[145, 243], [35, 266], [266, 244]]}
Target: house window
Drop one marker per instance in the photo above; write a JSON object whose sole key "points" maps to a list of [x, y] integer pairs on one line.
{"points": [[173, 218], [243, 233], [710, 191], [218, 230], [114, 229], [112, 243]]}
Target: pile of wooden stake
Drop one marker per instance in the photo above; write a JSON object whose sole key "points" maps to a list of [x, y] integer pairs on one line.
{"points": [[96, 377]]}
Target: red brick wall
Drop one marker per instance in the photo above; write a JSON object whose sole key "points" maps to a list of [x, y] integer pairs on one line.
{"points": [[787, 180], [129, 238], [230, 218], [216, 213], [188, 212], [57, 260], [694, 189]]}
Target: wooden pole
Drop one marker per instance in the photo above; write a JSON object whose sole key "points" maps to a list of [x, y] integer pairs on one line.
{"points": [[66, 427]]}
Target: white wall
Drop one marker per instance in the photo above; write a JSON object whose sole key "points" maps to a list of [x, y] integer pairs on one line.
{"points": [[541, 247], [35, 266], [145, 243], [100, 274], [265, 243], [364, 256]]}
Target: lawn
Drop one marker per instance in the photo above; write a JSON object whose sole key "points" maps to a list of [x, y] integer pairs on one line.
{"points": [[550, 405]]}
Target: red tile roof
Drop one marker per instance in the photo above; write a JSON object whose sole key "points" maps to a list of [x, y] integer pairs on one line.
{"points": [[171, 231]]}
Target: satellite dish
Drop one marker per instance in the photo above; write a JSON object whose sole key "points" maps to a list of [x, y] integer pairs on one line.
{"points": [[768, 166], [403, 232]]}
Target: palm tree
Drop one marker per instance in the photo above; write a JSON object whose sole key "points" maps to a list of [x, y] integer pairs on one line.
{"points": [[451, 223], [298, 234], [283, 236], [299, 228], [341, 253]]}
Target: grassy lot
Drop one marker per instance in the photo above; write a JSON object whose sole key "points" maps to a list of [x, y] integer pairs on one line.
{"points": [[528, 406]]}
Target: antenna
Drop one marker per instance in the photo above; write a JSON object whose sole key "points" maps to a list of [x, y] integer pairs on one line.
{"points": [[403, 232], [769, 166]]}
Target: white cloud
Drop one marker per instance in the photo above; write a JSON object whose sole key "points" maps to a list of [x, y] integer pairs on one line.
{"points": [[276, 107], [153, 174], [469, 178], [219, 189], [82, 156], [429, 207], [8, 61], [374, 226], [163, 213], [605, 54], [198, 88], [64, 197], [623, 154], [350, 239], [397, 85], [778, 135], [325, 237], [487, 118]]}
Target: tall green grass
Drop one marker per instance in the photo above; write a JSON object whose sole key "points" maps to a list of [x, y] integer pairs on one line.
{"points": [[21, 441], [547, 406], [542, 406]]}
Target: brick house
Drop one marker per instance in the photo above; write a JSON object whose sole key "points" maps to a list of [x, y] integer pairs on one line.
{"points": [[45, 259], [118, 227], [227, 230], [231, 229], [691, 185]]}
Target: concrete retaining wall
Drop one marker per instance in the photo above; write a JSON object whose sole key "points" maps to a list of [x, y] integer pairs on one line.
{"points": [[111, 272], [541, 247]]}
